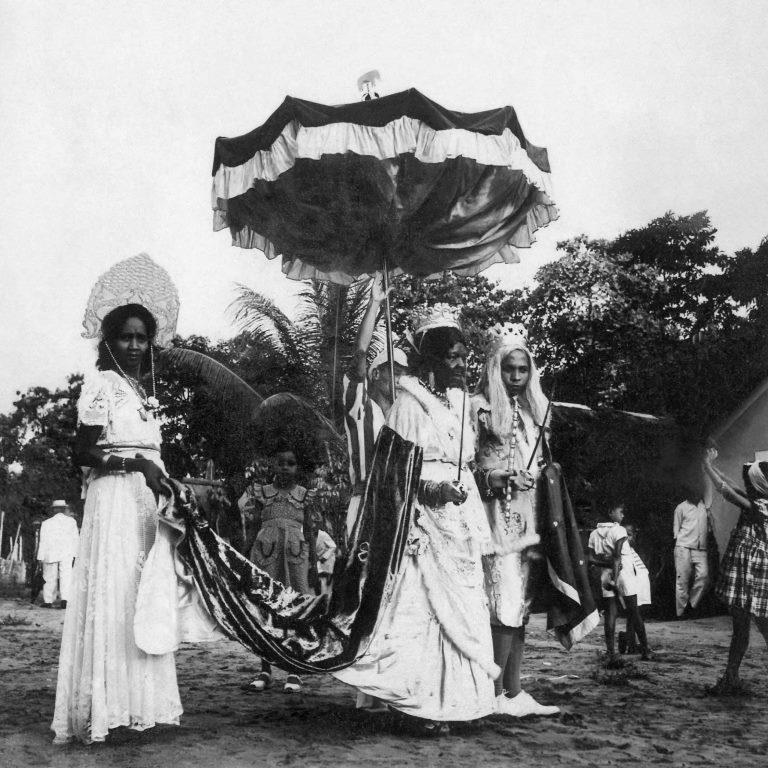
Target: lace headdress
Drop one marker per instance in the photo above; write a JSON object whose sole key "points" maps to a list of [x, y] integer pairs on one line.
{"points": [[137, 280]]}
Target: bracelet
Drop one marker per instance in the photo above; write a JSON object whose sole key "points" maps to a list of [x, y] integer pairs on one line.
{"points": [[429, 493]]}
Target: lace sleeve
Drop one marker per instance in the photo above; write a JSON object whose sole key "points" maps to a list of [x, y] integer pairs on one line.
{"points": [[93, 405]]}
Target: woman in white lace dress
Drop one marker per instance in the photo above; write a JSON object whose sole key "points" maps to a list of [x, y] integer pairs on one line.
{"points": [[104, 679], [431, 656]]}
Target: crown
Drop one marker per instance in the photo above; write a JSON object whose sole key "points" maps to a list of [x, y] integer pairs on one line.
{"points": [[506, 334], [437, 316], [137, 280]]}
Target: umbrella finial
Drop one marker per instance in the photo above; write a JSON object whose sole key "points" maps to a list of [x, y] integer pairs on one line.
{"points": [[368, 85]]}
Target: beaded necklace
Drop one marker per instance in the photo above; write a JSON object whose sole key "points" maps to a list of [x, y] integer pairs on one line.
{"points": [[441, 396], [513, 521], [148, 404]]}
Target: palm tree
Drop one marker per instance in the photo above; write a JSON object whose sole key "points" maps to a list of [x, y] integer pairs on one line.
{"points": [[317, 345]]}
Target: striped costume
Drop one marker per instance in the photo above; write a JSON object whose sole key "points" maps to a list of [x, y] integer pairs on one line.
{"points": [[363, 420]]}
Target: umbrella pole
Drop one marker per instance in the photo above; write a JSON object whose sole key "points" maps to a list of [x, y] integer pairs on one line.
{"points": [[463, 417], [335, 354], [388, 322]]}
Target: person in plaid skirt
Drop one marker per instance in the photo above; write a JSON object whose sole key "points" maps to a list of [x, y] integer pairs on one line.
{"points": [[743, 581]]}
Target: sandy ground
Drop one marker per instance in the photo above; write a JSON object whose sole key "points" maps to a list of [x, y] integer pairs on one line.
{"points": [[658, 716]]}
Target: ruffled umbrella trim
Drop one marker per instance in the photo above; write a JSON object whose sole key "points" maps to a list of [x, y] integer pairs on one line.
{"points": [[405, 135]]}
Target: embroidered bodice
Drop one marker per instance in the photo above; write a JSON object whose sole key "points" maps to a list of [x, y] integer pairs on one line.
{"points": [[108, 401]]}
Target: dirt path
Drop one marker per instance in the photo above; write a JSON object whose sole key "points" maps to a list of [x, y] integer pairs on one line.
{"points": [[658, 718]]}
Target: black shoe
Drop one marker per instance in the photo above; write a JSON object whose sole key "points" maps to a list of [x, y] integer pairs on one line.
{"points": [[47, 605], [63, 604], [432, 730]]}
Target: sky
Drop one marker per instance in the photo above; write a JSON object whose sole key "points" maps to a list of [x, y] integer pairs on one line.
{"points": [[109, 113]]}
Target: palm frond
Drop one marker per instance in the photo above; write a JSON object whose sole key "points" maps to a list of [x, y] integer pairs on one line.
{"points": [[223, 383], [357, 301], [255, 312], [284, 405], [264, 339]]}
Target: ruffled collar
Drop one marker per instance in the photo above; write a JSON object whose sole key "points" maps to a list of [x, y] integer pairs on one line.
{"points": [[295, 495], [440, 409]]}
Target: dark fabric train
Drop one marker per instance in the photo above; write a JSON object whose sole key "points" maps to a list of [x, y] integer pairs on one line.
{"points": [[307, 633]]}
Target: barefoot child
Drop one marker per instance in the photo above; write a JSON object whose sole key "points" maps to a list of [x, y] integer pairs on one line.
{"points": [[282, 541], [743, 580], [609, 548]]}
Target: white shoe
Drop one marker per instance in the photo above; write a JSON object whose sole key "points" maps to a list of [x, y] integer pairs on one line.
{"points": [[523, 705], [261, 683], [292, 684]]}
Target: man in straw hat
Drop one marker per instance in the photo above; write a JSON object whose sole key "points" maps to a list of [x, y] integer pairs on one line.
{"points": [[59, 538]]}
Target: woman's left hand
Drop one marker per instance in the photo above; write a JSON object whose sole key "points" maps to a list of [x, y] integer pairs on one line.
{"points": [[154, 477]]}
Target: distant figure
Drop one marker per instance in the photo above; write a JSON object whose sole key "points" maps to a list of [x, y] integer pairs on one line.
{"points": [[59, 539], [690, 527]]}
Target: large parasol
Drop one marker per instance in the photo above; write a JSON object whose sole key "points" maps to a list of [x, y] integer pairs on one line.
{"points": [[398, 184]]}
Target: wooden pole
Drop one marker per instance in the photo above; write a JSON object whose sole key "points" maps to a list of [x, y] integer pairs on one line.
{"points": [[388, 321]]}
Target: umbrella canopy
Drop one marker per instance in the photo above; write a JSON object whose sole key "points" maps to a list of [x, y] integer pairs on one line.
{"points": [[334, 190]]}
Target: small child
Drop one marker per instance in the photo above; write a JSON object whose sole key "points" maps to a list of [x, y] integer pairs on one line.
{"points": [[627, 638], [282, 541], [609, 548]]}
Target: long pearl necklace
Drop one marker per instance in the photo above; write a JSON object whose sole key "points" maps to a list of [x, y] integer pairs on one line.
{"points": [[148, 404], [513, 521]]}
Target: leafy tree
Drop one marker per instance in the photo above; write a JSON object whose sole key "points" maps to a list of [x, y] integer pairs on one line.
{"points": [[589, 320], [681, 250], [307, 354], [36, 438], [657, 320]]}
